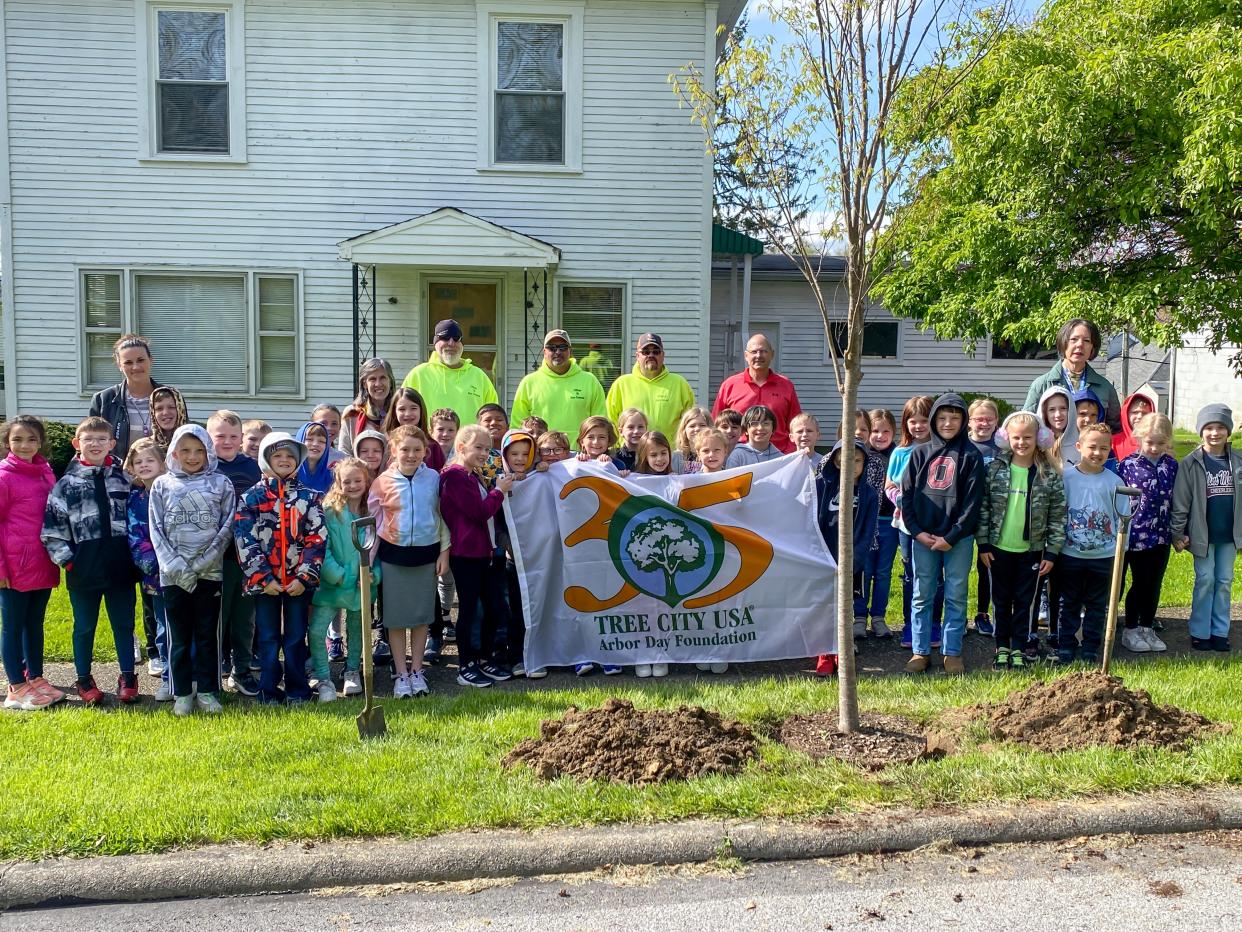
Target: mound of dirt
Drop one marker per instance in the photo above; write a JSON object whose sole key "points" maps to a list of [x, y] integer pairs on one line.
{"points": [[621, 744], [881, 740], [1085, 709]]}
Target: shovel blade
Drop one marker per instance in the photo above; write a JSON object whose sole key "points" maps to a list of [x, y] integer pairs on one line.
{"points": [[371, 723]]}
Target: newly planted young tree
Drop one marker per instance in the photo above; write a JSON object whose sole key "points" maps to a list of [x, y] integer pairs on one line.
{"points": [[811, 120]]}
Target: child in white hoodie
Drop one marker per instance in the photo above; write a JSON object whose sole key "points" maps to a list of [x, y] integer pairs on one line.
{"points": [[192, 509]]}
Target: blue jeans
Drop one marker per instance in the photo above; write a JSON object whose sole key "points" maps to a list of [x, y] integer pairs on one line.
{"points": [[929, 565], [907, 582], [161, 631], [120, 603], [1209, 606], [877, 571], [21, 642], [287, 633]]}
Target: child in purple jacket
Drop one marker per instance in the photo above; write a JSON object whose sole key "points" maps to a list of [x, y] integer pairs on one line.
{"points": [[1153, 470], [469, 509], [144, 463]]}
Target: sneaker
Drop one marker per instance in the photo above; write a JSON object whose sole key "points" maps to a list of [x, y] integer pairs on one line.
{"points": [[1220, 643], [984, 626], [1000, 660], [156, 667], [584, 669], [275, 697], [1065, 655], [163, 692], [612, 669], [826, 665], [450, 631], [255, 666], [907, 636], [1017, 660], [21, 698], [382, 654], [1153, 642], [353, 683], [935, 640], [183, 705], [418, 684], [208, 703], [1051, 642], [918, 664], [1134, 642], [954, 666], [518, 669], [879, 629], [1200, 643], [432, 653], [470, 676], [495, 672], [860, 629], [537, 674], [127, 687], [327, 692], [401, 688], [642, 670], [53, 694], [336, 649], [88, 692], [246, 685], [659, 669]]}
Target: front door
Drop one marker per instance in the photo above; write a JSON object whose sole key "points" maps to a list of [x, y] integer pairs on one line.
{"points": [[475, 306]]}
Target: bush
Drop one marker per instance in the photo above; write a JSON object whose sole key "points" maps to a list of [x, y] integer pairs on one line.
{"points": [[1003, 408], [59, 446]]}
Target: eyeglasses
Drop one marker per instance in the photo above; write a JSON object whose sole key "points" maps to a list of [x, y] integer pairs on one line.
{"points": [[552, 451], [651, 351], [557, 347]]}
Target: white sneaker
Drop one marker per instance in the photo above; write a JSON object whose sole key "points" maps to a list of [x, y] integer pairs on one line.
{"points": [[327, 692], [659, 669], [209, 703], [642, 670], [418, 684], [163, 692], [401, 688], [353, 683], [184, 705], [1131, 640], [1153, 641], [537, 674], [156, 667]]}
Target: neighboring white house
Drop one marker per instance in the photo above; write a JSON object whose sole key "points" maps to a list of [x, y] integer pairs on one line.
{"points": [[1202, 377], [266, 188]]}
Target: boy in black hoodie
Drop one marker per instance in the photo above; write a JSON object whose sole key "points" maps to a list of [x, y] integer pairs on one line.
{"points": [[941, 494]]}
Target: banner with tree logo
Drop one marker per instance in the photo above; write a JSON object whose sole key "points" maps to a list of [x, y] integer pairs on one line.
{"points": [[671, 569]]}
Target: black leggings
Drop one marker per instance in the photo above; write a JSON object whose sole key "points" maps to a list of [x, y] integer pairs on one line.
{"points": [[1146, 578], [478, 581], [1014, 584]]}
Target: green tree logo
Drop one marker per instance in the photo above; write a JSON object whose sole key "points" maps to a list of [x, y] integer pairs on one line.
{"points": [[667, 545]]}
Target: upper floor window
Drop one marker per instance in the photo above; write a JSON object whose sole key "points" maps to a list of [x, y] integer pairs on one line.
{"points": [[530, 66], [881, 338], [1007, 349]]}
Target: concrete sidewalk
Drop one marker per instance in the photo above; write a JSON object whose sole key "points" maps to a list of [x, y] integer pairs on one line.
{"points": [[226, 870]]}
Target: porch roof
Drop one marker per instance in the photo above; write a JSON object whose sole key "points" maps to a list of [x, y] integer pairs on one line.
{"points": [[449, 237], [727, 242]]}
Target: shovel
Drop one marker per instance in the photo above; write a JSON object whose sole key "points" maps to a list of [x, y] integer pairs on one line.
{"points": [[1119, 569], [371, 718]]}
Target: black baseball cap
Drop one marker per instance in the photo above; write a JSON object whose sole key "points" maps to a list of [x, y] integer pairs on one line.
{"points": [[448, 330]]}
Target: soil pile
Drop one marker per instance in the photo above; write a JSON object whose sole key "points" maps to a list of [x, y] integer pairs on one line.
{"points": [[1085, 709], [621, 744], [881, 740]]}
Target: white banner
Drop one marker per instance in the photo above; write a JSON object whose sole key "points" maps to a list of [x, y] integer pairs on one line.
{"points": [[725, 566]]}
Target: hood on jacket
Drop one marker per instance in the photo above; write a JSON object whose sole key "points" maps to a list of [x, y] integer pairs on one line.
{"points": [[1069, 436], [833, 468], [949, 400], [268, 443], [1125, 442], [512, 436], [547, 372], [166, 391], [1086, 394], [201, 436], [638, 371], [436, 361], [319, 478], [373, 434]]}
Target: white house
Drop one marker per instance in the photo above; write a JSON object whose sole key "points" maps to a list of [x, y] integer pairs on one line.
{"points": [[1202, 377], [266, 188]]}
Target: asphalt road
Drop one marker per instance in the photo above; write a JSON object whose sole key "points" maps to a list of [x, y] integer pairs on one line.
{"points": [[1182, 883]]}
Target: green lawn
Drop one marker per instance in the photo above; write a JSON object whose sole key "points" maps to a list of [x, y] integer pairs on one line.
{"points": [[87, 782]]}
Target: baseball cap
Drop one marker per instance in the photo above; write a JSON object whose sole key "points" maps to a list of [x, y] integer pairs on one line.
{"points": [[448, 330], [556, 334], [649, 338]]}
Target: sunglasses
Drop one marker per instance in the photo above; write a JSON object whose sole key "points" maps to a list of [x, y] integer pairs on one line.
{"points": [[557, 347], [651, 351]]}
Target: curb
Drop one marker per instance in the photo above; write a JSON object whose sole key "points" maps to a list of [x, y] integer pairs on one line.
{"points": [[231, 870]]}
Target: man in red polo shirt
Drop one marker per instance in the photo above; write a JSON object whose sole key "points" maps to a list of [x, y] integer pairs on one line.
{"points": [[757, 384]]}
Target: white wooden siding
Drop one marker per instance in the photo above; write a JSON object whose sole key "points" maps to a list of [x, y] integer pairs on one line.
{"points": [[1202, 377], [924, 366], [359, 115]]}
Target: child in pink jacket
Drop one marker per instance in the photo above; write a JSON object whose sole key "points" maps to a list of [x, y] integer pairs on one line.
{"points": [[27, 574]]}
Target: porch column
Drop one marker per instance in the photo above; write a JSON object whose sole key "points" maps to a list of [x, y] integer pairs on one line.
{"points": [[746, 299]]}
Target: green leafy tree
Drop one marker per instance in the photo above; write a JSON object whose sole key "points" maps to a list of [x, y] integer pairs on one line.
{"points": [[1090, 165], [666, 544]]}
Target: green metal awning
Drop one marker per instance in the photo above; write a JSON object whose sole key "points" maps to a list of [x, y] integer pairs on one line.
{"points": [[726, 242]]}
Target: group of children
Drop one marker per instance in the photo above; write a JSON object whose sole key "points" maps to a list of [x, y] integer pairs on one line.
{"points": [[242, 539]]}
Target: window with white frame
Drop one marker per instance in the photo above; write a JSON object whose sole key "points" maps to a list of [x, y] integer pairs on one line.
{"points": [[193, 85], [218, 332], [594, 316], [531, 74]]}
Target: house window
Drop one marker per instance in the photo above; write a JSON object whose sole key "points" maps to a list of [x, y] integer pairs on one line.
{"points": [[594, 317], [193, 81], [532, 74], [211, 332], [1031, 349], [881, 338]]}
